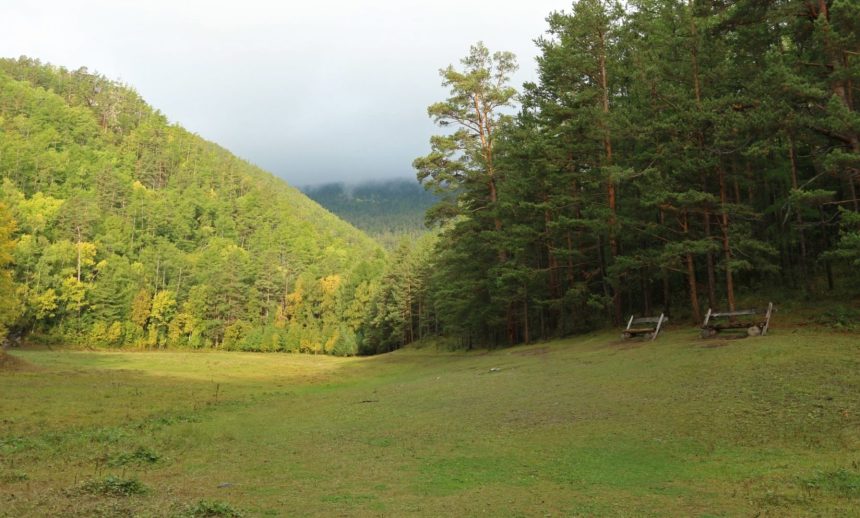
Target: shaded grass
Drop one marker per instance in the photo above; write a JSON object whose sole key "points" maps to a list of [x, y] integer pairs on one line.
{"points": [[587, 426]]}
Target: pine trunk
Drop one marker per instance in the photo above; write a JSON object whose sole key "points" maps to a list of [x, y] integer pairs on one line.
{"points": [[691, 275], [727, 250]]}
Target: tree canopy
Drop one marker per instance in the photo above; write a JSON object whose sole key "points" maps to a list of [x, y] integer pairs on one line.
{"points": [[133, 231]]}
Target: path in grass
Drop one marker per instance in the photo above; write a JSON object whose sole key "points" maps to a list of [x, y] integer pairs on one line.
{"points": [[587, 426]]}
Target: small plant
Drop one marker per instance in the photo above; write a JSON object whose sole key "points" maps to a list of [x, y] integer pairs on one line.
{"points": [[207, 509], [840, 317], [140, 456], [13, 476], [841, 481], [114, 486]]}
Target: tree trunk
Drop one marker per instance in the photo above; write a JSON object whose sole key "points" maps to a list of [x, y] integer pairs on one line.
{"points": [[526, 337], [646, 292], [667, 293], [691, 275], [610, 184], [804, 270], [727, 251], [709, 258]]}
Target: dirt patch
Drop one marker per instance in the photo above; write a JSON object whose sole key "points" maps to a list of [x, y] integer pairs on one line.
{"points": [[538, 351], [623, 345], [713, 344], [9, 363]]}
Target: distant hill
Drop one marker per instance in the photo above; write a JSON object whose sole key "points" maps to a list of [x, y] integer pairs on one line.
{"points": [[386, 209], [134, 231]]}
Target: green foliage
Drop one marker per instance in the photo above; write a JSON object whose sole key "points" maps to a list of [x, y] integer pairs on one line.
{"points": [[135, 232], [400, 310], [840, 317], [848, 246]]}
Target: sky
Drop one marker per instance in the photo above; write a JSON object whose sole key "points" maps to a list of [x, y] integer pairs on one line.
{"points": [[312, 91]]}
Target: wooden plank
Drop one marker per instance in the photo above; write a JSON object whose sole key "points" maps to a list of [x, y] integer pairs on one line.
{"points": [[767, 318], [735, 313], [630, 322], [659, 324], [707, 318], [646, 320]]}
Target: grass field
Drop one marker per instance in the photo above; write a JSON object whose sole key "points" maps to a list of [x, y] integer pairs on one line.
{"points": [[587, 426]]}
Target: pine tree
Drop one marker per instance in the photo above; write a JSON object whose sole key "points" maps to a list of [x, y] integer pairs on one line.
{"points": [[462, 164]]}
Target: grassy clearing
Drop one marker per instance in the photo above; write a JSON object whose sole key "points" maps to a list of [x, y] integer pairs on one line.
{"points": [[587, 426]]}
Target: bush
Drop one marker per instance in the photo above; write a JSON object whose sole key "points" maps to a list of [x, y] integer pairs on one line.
{"points": [[840, 317]]}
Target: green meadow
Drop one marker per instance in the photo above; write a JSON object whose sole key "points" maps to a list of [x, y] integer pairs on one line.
{"points": [[587, 426]]}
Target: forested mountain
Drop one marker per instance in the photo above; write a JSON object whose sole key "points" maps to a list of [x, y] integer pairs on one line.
{"points": [[672, 154], [388, 210], [133, 231]]}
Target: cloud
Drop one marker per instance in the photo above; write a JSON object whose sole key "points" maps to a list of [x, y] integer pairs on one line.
{"points": [[312, 91]]}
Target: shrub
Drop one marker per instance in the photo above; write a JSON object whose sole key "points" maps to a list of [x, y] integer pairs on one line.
{"points": [[840, 317]]}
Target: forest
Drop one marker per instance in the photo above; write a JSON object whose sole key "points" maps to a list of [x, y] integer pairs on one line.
{"points": [[120, 228], [671, 156], [387, 210]]}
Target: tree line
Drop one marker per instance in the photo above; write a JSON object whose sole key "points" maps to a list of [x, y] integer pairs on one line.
{"points": [[671, 156]]}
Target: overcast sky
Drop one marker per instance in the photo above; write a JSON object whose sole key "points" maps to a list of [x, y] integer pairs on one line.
{"points": [[312, 91]]}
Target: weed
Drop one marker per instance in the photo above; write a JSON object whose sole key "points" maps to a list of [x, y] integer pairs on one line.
{"points": [[14, 444], [841, 481], [114, 486], [140, 457], [13, 476]]}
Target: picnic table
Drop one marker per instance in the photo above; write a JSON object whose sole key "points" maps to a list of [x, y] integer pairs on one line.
{"points": [[753, 322], [646, 327]]}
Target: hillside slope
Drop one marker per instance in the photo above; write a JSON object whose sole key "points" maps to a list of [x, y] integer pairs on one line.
{"points": [[134, 231]]}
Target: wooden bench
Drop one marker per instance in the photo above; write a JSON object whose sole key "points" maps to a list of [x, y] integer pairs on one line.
{"points": [[752, 325], [644, 330]]}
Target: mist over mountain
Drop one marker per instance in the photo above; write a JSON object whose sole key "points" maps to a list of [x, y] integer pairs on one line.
{"points": [[386, 209]]}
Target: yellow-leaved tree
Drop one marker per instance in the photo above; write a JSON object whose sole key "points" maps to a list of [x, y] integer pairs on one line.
{"points": [[9, 306]]}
